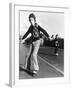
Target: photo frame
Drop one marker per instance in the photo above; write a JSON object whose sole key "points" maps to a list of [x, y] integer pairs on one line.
{"points": [[14, 26]]}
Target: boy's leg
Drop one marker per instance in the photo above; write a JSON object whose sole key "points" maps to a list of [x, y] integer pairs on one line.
{"points": [[27, 59], [36, 46]]}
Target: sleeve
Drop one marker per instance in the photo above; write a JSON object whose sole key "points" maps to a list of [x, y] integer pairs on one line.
{"points": [[26, 34], [42, 30]]}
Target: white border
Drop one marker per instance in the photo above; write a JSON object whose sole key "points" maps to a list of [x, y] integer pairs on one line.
{"points": [[14, 66]]}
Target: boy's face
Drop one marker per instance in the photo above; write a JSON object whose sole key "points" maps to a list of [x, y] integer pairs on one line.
{"points": [[32, 21]]}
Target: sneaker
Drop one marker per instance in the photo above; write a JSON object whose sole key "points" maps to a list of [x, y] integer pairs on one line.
{"points": [[35, 72], [57, 54], [23, 67]]}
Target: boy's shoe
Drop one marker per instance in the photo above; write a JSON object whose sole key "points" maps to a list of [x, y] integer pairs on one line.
{"points": [[23, 67], [57, 54], [35, 72]]}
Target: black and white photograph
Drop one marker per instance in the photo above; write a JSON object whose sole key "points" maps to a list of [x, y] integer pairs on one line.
{"points": [[37, 51], [41, 44]]}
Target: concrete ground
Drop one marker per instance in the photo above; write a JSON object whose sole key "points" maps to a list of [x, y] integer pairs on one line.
{"points": [[47, 53], [50, 65]]}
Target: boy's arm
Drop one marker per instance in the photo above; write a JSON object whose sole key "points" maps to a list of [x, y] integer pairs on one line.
{"points": [[42, 30], [26, 34]]}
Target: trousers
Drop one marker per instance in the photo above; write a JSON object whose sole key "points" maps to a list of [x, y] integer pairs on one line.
{"points": [[31, 57]]}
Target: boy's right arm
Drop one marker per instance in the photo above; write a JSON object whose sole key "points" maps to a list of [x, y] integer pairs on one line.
{"points": [[26, 34]]}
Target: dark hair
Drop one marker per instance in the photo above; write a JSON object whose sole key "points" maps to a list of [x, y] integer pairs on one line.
{"points": [[33, 16]]}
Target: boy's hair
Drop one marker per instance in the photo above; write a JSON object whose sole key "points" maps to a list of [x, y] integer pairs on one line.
{"points": [[33, 16]]}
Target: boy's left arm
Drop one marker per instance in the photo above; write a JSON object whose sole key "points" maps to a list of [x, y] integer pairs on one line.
{"points": [[42, 30]]}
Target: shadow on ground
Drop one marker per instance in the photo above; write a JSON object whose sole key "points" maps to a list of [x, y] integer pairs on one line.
{"points": [[28, 72]]}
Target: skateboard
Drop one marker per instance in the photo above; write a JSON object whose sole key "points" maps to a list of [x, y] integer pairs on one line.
{"points": [[28, 71]]}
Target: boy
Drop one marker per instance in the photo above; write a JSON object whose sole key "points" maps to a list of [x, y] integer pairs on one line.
{"points": [[34, 30]]}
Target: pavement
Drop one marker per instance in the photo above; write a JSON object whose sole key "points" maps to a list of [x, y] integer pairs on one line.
{"points": [[50, 65], [47, 53]]}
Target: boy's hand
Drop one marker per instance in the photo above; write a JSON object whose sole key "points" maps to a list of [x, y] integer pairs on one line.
{"points": [[22, 41]]}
